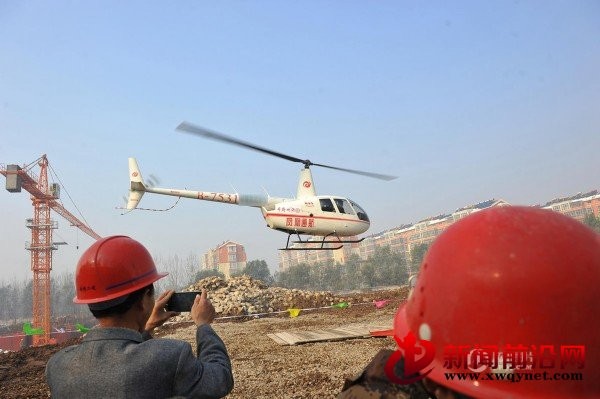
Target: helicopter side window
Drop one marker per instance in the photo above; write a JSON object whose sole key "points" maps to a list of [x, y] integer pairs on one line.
{"points": [[343, 206], [326, 205]]}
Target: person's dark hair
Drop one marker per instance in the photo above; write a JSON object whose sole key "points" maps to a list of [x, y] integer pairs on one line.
{"points": [[99, 311]]}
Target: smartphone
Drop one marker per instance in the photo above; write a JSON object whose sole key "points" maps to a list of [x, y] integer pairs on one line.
{"points": [[182, 301]]}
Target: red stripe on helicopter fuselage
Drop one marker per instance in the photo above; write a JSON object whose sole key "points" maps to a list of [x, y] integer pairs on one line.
{"points": [[291, 215]]}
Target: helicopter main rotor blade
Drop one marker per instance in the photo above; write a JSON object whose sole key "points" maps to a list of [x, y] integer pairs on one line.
{"points": [[359, 172], [210, 134]]}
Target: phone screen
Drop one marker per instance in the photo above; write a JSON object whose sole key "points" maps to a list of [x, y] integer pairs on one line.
{"points": [[182, 301]]}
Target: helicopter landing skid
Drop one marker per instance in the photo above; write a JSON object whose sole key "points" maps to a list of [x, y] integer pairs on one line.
{"points": [[322, 242]]}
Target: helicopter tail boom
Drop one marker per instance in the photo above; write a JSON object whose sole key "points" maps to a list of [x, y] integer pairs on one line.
{"points": [[137, 189]]}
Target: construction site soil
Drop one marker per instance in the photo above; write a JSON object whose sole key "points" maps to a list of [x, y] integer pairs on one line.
{"points": [[262, 368]]}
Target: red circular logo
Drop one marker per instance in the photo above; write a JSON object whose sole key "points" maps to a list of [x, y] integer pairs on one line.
{"points": [[134, 174], [306, 184]]}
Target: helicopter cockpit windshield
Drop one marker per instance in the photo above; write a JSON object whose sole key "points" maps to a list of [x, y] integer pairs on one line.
{"points": [[362, 215], [343, 205]]}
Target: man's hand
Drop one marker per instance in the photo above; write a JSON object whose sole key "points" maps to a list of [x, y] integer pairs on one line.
{"points": [[203, 311], [159, 315]]}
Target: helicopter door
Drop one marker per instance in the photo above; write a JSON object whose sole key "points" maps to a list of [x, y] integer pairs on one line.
{"points": [[326, 205], [343, 206]]}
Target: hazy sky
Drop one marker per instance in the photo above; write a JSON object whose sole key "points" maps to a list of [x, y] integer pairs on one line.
{"points": [[464, 101]]}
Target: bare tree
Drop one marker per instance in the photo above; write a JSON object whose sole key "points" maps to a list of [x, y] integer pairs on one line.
{"points": [[192, 266], [181, 272]]}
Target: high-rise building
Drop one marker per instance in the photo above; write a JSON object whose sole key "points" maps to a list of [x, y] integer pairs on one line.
{"points": [[229, 258]]}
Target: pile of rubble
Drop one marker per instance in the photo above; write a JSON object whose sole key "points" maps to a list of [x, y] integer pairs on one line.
{"points": [[246, 296]]}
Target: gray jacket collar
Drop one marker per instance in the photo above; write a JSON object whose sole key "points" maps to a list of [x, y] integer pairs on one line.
{"points": [[112, 333]]}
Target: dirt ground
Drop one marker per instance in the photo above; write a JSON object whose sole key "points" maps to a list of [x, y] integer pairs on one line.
{"points": [[261, 367]]}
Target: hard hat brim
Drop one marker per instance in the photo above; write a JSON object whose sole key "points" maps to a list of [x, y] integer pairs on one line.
{"points": [[123, 292]]}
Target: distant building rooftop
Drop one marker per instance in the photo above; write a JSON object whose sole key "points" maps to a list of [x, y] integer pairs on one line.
{"points": [[572, 198], [480, 205], [434, 218]]}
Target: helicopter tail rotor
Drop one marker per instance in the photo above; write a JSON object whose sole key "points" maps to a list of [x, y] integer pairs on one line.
{"points": [[137, 186]]}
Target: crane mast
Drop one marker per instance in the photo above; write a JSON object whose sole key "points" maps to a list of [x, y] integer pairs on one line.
{"points": [[44, 198]]}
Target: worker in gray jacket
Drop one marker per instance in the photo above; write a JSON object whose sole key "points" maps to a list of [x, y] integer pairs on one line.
{"points": [[119, 358]]}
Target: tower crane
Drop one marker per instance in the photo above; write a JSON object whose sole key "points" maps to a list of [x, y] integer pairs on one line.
{"points": [[44, 198]]}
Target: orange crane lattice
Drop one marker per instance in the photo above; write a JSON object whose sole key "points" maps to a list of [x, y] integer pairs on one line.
{"points": [[44, 198]]}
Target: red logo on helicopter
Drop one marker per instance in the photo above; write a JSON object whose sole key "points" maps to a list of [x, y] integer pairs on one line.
{"points": [[306, 184], [134, 174]]}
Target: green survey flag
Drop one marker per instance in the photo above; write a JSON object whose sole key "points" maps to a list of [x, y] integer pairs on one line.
{"points": [[29, 330], [341, 305]]}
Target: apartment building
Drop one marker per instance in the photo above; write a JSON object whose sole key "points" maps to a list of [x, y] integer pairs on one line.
{"points": [[290, 258], [577, 206], [401, 239], [228, 257], [404, 238]]}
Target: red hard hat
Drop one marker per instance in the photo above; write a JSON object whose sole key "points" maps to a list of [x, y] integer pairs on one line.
{"points": [[113, 267], [510, 277]]}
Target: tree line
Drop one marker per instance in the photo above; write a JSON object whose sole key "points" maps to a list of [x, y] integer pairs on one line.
{"points": [[16, 296], [16, 299], [592, 221], [384, 268]]}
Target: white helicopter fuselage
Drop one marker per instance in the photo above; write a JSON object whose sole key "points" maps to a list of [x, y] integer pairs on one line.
{"points": [[317, 215], [308, 213]]}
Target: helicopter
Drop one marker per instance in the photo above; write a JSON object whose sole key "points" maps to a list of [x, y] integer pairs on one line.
{"points": [[332, 218]]}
